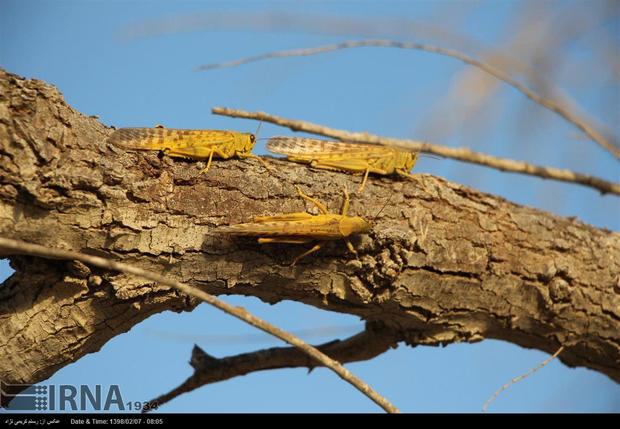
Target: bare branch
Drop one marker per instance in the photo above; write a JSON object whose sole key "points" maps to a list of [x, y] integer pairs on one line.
{"points": [[23, 248], [461, 154], [373, 341], [554, 106], [544, 363]]}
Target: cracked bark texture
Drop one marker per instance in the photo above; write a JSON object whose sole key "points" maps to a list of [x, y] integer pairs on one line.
{"points": [[444, 263]]}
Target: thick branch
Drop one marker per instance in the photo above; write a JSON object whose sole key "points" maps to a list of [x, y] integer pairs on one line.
{"points": [[461, 154], [366, 345], [555, 106], [444, 263]]}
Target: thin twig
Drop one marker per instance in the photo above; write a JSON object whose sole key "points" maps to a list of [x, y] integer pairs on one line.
{"points": [[20, 247], [554, 106], [461, 154], [229, 339], [519, 378], [208, 370]]}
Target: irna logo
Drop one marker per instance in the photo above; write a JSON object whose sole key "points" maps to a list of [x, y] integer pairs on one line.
{"points": [[61, 397]]}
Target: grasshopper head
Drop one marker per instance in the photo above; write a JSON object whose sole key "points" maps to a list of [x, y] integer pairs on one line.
{"points": [[410, 160], [350, 225], [246, 142]]}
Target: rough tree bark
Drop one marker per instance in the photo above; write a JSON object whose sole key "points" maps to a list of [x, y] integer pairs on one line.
{"points": [[444, 263]]}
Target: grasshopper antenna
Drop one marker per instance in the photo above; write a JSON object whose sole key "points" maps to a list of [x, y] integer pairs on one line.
{"points": [[431, 156], [258, 130], [384, 206]]}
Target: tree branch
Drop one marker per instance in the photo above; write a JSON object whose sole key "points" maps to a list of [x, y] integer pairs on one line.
{"points": [[372, 342], [611, 146], [444, 263], [461, 154]]}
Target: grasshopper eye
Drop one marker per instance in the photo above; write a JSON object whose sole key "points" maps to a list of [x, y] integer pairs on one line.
{"points": [[252, 138]]}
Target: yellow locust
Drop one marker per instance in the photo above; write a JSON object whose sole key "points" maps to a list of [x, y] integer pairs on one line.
{"points": [[352, 157], [302, 227], [189, 144]]}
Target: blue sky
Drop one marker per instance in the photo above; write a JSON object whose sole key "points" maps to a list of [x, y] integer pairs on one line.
{"points": [[105, 62]]}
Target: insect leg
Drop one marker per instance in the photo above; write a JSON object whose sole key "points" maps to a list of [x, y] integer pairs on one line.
{"points": [[350, 247], [195, 152], [345, 202], [324, 166], [204, 170], [406, 174], [173, 154], [288, 240], [355, 166], [282, 217], [214, 150], [300, 159], [220, 153], [364, 180], [251, 155], [345, 208], [321, 207], [352, 165], [306, 253]]}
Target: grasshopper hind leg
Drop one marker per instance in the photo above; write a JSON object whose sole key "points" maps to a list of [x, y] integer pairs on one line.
{"points": [[317, 203], [259, 158], [315, 248], [287, 240]]}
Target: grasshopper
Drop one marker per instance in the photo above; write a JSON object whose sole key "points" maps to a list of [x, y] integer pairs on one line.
{"points": [[353, 157], [188, 144], [301, 228]]}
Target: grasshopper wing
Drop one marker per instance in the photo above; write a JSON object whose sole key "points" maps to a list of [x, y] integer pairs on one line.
{"points": [[316, 149], [254, 229], [296, 225], [167, 138]]}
